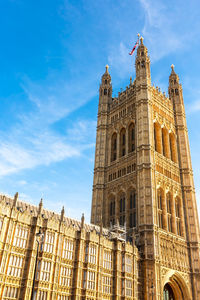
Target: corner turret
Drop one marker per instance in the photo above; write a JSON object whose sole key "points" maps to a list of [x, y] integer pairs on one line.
{"points": [[105, 90], [175, 88]]}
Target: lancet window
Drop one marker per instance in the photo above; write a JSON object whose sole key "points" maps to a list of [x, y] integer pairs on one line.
{"points": [[132, 209], [21, 235], [157, 138], [68, 249], [165, 142], [112, 211], [122, 208], [160, 207], [169, 211], [131, 138], [173, 147], [45, 270], [65, 276], [49, 242], [127, 264], [106, 284], [10, 293], [15, 265], [123, 142], [114, 147], [178, 216], [107, 259], [89, 280], [90, 253], [127, 287]]}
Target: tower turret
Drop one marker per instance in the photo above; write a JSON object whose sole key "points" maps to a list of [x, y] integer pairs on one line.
{"points": [[175, 88], [187, 183], [142, 64], [105, 99], [105, 90]]}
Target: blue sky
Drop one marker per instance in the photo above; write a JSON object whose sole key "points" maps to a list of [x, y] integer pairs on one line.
{"points": [[52, 56]]}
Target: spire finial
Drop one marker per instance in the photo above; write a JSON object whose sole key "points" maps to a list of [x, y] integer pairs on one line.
{"points": [[82, 221], [16, 199], [141, 40], [40, 206], [107, 66], [172, 67], [62, 213]]}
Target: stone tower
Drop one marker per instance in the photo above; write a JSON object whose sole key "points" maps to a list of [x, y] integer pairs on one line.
{"points": [[143, 181]]}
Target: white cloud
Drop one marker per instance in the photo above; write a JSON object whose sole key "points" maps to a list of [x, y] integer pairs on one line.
{"points": [[32, 142], [167, 28], [56, 98], [42, 151], [22, 182], [159, 30]]}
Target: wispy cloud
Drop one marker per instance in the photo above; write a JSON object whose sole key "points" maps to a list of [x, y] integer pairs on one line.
{"points": [[33, 142], [56, 98], [165, 27]]}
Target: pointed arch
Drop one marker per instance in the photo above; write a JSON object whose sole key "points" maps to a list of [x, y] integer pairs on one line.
{"points": [[112, 209], [165, 142], [177, 284], [131, 137], [157, 137], [173, 147], [122, 142], [160, 196], [169, 211], [122, 208], [132, 205], [178, 215], [114, 147]]}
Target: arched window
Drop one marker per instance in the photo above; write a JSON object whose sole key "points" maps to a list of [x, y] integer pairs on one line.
{"points": [[168, 293], [178, 216], [160, 207], [169, 211], [173, 148], [143, 64], [131, 138], [132, 209], [122, 209], [122, 142], [112, 211], [114, 147], [165, 142], [157, 138]]}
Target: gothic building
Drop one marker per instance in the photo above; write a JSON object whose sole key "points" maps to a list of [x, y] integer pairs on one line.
{"points": [[143, 179], [144, 240]]}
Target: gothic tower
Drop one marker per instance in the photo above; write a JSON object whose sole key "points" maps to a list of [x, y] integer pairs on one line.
{"points": [[143, 181]]}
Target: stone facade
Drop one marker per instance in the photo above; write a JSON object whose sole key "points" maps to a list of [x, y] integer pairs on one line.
{"points": [[144, 240], [66, 258], [143, 179]]}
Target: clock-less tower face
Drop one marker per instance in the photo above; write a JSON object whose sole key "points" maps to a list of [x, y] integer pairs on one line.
{"points": [[143, 179]]}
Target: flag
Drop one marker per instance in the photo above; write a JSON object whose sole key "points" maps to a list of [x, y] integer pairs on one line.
{"points": [[136, 44]]}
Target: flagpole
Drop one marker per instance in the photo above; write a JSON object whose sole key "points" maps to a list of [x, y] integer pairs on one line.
{"points": [[134, 48]]}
